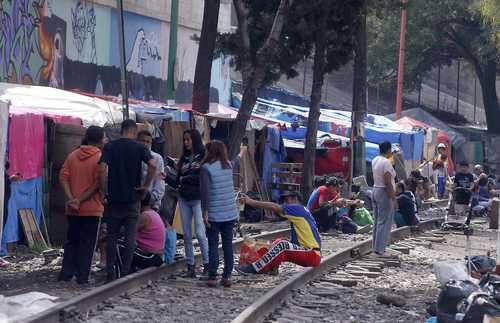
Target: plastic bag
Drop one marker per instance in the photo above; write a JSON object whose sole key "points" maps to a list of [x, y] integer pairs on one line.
{"points": [[252, 250], [450, 270]]}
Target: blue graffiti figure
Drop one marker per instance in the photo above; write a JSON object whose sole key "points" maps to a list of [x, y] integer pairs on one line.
{"points": [[6, 37], [18, 39]]}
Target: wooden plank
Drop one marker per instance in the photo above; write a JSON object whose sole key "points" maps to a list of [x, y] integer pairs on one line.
{"points": [[286, 186], [26, 228], [287, 175]]}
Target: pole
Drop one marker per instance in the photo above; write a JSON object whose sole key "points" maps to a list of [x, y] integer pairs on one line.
{"points": [[401, 65], [172, 51], [475, 99], [439, 86], [458, 86], [359, 102], [123, 61], [304, 79]]}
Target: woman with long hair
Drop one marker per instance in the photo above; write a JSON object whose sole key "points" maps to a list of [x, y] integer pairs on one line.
{"points": [[219, 209], [188, 170]]}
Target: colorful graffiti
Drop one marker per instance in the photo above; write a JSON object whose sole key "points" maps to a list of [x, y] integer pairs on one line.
{"points": [[83, 24], [32, 45]]}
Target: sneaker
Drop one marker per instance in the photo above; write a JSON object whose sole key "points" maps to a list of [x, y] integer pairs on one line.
{"points": [[246, 270], [4, 263], [384, 255], [226, 282], [212, 282]]}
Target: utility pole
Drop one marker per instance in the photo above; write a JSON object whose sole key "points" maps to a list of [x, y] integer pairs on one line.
{"points": [[401, 65], [172, 51], [439, 87], [475, 98], [123, 61], [359, 102], [458, 86]]}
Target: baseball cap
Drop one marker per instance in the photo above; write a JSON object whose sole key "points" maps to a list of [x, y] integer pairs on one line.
{"points": [[441, 145]]}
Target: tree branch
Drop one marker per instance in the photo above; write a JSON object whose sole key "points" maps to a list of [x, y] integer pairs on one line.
{"points": [[467, 52], [242, 15], [275, 33]]}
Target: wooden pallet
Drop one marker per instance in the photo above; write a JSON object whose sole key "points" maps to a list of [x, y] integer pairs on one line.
{"points": [[290, 176], [31, 229]]}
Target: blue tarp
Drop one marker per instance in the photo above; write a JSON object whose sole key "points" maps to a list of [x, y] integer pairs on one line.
{"points": [[24, 195]]}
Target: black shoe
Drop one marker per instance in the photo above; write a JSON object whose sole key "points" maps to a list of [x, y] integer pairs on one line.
{"points": [[63, 278], [190, 273]]}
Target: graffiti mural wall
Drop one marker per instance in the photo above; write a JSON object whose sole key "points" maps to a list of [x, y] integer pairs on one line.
{"points": [[74, 44]]}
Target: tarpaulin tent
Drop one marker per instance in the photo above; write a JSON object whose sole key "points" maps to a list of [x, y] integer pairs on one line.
{"points": [[410, 123], [54, 102], [456, 138]]}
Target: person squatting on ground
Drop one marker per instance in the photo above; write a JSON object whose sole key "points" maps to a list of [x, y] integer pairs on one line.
{"points": [[150, 238], [219, 209], [322, 200], [121, 165], [157, 188], [190, 200], [406, 207], [383, 199], [84, 206], [304, 248]]}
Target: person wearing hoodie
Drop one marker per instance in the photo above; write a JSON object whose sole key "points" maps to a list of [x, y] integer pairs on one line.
{"points": [[84, 206]]}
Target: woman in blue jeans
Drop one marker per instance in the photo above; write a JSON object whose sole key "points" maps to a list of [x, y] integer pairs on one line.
{"points": [[189, 199], [219, 209]]}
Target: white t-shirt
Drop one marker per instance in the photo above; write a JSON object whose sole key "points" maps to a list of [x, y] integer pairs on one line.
{"points": [[380, 166]]}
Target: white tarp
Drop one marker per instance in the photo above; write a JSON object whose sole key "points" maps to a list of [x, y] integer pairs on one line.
{"points": [[19, 307], [4, 124], [50, 101]]}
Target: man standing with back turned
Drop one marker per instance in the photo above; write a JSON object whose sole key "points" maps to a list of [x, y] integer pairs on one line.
{"points": [[122, 162], [383, 199]]}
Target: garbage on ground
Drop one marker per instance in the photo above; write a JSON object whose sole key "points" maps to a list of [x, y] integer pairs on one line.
{"points": [[450, 270], [481, 265], [19, 307]]}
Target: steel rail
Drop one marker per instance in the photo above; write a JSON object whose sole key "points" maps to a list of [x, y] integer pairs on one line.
{"points": [[275, 297], [129, 284]]}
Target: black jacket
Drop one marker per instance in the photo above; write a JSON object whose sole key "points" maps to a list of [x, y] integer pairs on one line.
{"points": [[189, 177]]}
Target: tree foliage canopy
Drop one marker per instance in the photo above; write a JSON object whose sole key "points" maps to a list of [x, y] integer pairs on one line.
{"points": [[438, 31]]}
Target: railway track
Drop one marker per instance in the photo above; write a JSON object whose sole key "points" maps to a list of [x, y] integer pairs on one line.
{"points": [[161, 295]]}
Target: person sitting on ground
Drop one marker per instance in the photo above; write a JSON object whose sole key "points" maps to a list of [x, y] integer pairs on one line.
{"points": [[304, 248], [321, 201], [463, 184], [150, 238], [405, 207], [481, 198]]}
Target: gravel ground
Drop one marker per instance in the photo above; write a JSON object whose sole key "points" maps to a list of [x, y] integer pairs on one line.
{"points": [[415, 281], [182, 300]]}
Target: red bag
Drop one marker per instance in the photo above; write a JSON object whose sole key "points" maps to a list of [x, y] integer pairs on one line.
{"points": [[251, 251]]}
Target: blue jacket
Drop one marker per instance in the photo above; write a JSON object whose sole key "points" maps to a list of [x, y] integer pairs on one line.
{"points": [[217, 193]]}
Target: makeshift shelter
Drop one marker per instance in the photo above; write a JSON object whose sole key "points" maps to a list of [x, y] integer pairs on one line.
{"points": [[457, 140]]}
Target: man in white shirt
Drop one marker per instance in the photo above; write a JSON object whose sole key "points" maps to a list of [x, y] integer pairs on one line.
{"points": [[383, 199]]}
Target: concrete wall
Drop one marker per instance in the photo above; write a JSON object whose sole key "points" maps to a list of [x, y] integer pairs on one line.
{"points": [[74, 44]]}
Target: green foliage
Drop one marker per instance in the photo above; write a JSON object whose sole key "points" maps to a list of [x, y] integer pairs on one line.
{"points": [[437, 33], [298, 36]]}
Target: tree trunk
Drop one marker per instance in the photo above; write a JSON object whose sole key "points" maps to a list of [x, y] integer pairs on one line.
{"points": [[253, 74], [314, 108], [359, 101], [248, 101], [203, 72], [487, 79]]}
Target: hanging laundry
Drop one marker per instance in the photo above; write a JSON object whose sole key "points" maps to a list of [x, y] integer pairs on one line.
{"points": [[26, 159]]}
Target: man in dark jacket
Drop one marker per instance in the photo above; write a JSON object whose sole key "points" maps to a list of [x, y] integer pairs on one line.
{"points": [[406, 208]]}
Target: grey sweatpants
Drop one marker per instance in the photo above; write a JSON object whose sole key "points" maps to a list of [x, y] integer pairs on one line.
{"points": [[383, 211]]}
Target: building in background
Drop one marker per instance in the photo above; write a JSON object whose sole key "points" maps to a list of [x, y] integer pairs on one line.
{"points": [[74, 45]]}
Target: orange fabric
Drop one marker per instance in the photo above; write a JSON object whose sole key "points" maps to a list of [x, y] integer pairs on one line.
{"points": [[80, 172]]}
